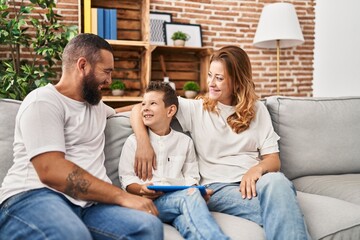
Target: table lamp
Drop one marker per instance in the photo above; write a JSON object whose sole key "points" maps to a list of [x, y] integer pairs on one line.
{"points": [[278, 28]]}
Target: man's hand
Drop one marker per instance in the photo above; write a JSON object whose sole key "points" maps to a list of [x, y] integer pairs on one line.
{"points": [[145, 160]]}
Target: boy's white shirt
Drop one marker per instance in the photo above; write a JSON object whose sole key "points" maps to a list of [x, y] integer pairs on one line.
{"points": [[175, 158]]}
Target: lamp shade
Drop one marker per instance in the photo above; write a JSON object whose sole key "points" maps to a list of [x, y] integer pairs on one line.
{"points": [[278, 21]]}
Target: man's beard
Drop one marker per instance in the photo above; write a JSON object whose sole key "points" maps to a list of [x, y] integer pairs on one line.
{"points": [[91, 92]]}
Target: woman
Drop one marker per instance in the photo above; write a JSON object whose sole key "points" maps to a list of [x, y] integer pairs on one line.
{"points": [[237, 149]]}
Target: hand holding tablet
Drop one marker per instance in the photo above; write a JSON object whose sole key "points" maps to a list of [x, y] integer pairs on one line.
{"points": [[175, 188]]}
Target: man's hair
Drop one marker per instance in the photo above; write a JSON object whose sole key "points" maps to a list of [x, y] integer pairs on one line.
{"points": [[169, 98], [85, 45]]}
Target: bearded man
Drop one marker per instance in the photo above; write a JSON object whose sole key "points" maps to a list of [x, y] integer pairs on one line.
{"points": [[57, 187]]}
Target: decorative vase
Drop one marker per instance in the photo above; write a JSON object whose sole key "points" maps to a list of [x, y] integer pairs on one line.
{"points": [[117, 92], [179, 43], [190, 94]]}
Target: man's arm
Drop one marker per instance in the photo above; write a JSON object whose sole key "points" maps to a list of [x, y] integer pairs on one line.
{"points": [[145, 158], [63, 175]]}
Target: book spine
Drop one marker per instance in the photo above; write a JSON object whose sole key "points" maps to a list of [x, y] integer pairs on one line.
{"points": [[87, 16], [107, 23], [94, 20], [113, 24], [100, 21]]}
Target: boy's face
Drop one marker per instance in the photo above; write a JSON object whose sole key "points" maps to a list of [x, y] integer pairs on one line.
{"points": [[154, 113]]}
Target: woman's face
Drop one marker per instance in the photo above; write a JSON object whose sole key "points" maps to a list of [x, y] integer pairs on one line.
{"points": [[220, 86]]}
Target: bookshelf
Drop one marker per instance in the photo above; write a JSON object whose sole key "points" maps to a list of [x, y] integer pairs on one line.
{"points": [[136, 60]]}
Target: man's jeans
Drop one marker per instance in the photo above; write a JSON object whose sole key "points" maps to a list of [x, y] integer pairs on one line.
{"points": [[45, 214], [187, 211], [275, 207]]}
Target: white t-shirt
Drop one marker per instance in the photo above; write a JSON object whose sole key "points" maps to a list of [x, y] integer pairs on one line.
{"points": [[223, 155], [175, 158], [49, 121]]}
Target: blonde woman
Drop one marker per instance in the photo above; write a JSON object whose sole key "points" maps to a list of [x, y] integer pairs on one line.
{"points": [[237, 149]]}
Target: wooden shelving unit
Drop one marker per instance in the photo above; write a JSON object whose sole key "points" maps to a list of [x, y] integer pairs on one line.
{"points": [[136, 61]]}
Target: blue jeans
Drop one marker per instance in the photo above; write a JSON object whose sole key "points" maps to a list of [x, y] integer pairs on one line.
{"points": [[45, 214], [275, 208], [187, 211]]}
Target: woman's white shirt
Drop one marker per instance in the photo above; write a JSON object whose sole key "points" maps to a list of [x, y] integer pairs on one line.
{"points": [[223, 155]]}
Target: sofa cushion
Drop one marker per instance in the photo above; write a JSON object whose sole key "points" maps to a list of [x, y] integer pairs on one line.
{"points": [[330, 218], [117, 130], [8, 111], [345, 186], [319, 136]]}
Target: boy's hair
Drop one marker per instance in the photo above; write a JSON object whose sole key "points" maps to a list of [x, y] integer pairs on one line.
{"points": [[169, 98], [86, 45]]}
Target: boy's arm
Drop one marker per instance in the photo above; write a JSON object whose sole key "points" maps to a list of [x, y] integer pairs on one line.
{"points": [[142, 190], [145, 158]]}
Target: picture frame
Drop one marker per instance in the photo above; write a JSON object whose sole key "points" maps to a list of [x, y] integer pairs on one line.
{"points": [[193, 30], [157, 33]]}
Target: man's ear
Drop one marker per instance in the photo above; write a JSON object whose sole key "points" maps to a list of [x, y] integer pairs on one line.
{"points": [[171, 110], [81, 65]]}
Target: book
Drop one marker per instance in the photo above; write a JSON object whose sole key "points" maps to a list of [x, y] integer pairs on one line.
{"points": [[87, 16], [94, 20], [107, 23], [100, 23], [113, 24]]}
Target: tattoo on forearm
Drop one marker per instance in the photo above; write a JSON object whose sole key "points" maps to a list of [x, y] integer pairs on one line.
{"points": [[76, 184]]}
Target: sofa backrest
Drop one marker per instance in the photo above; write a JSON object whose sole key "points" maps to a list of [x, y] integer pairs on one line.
{"points": [[318, 135], [8, 111]]}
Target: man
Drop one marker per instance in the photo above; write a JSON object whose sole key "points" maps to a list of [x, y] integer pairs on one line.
{"points": [[58, 186]]}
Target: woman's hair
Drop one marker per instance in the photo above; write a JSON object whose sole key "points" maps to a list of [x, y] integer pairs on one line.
{"points": [[85, 45], [238, 70]]}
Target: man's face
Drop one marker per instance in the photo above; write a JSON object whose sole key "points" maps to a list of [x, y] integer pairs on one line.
{"points": [[98, 77], [91, 89]]}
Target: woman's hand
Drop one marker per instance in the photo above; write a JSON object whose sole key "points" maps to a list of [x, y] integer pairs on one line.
{"points": [[248, 182], [267, 163], [145, 160]]}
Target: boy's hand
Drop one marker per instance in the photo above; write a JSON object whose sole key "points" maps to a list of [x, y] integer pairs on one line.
{"points": [[152, 194], [209, 192]]}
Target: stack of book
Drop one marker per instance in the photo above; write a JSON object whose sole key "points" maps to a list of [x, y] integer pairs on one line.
{"points": [[103, 22]]}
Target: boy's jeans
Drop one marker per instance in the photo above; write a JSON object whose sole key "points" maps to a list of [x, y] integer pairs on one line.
{"points": [[275, 207], [45, 214], [187, 211]]}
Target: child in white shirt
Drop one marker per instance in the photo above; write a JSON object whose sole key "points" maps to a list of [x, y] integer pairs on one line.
{"points": [[176, 162]]}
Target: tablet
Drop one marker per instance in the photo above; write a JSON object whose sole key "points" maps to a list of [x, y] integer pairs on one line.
{"points": [[175, 188]]}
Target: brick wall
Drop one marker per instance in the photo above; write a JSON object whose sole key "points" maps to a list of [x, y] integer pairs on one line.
{"points": [[226, 22], [234, 22]]}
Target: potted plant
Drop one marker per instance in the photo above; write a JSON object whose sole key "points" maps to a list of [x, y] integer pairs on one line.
{"points": [[180, 38], [117, 88], [191, 89], [35, 41]]}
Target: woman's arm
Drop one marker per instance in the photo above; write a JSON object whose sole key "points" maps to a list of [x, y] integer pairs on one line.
{"points": [[268, 163], [145, 158]]}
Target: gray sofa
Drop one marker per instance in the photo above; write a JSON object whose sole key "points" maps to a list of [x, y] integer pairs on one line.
{"points": [[319, 151]]}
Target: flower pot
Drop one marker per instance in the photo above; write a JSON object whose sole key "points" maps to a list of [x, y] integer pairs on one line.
{"points": [[117, 92], [190, 94], [179, 43]]}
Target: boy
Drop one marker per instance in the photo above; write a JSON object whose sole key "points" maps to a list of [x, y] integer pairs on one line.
{"points": [[176, 161]]}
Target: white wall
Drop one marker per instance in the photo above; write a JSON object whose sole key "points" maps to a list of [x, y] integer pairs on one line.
{"points": [[337, 48]]}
